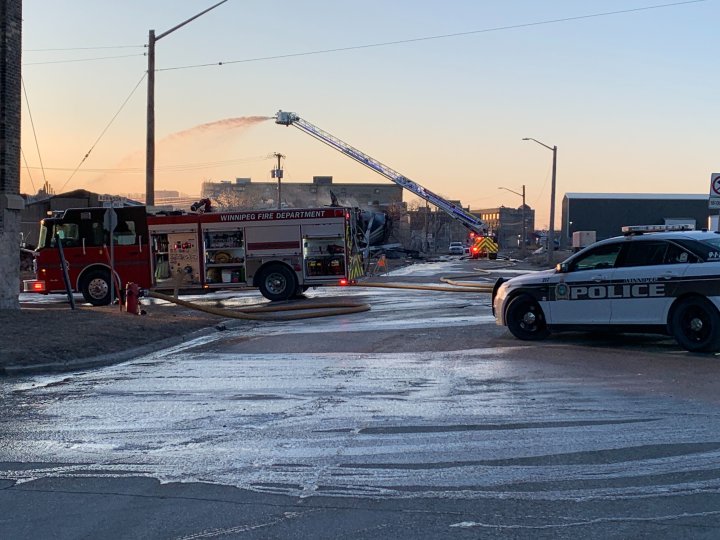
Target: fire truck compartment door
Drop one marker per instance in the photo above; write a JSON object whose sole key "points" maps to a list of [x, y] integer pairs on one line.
{"points": [[184, 257], [272, 240]]}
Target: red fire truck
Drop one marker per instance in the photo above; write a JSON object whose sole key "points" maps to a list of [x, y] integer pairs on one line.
{"points": [[281, 252]]}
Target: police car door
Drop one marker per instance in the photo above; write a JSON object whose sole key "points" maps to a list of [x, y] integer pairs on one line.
{"points": [[647, 271], [581, 294]]}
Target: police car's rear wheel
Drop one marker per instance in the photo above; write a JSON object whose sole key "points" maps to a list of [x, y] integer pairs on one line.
{"points": [[695, 324], [525, 319]]}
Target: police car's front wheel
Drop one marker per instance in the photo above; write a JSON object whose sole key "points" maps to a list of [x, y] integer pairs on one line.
{"points": [[695, 325], [525, 319]]}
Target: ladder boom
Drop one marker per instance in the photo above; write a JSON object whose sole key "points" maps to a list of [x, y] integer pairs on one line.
{"points": [[454, 211]]}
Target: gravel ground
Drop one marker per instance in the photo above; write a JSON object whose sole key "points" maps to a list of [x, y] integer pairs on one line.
{"points": [[41, 334]]}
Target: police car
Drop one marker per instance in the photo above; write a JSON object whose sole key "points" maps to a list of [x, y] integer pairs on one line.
{"points": [[656, 279]]}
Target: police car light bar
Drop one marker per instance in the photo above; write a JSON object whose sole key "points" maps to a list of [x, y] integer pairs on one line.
{"points": [[639, 229]]}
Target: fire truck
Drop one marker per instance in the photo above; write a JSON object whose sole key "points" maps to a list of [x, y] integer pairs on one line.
{"points": [[281, 252], [482, 243]]}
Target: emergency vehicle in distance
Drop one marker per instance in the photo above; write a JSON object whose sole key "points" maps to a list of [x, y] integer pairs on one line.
{"points": [[281, 252], [655, 279]]}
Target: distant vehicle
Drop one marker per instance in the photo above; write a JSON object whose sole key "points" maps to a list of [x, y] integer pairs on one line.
{"points": [[456, 248], [665, 282]]}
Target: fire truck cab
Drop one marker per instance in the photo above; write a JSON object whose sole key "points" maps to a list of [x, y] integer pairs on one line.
{"points": [[281, 252], [85, 241]]}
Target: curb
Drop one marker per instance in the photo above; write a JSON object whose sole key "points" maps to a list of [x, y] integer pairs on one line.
{"points": [[111, 358]]}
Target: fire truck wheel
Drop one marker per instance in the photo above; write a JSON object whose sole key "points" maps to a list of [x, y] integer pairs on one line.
{"points": [[277, 282], [95, 288], [525, 319]]}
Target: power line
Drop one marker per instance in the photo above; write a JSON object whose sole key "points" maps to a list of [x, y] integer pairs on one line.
{"points": [[32, 123], [441, 36], [82, 60], [28, 171], [180, 167], [349, 48], [87, 48], [103, 131]]}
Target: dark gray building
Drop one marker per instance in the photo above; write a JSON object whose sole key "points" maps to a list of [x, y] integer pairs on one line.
{"points": [[607, 213]]}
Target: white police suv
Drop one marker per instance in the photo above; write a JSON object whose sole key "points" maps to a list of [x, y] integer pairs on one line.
{"points": [[656, 279]]}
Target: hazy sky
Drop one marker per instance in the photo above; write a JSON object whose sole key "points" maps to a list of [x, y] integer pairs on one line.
{"points": [[630, 99]]}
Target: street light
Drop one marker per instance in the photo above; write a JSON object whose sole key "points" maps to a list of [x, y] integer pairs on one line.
{"points": [[150, 138], [551, 228], [524, 232]]}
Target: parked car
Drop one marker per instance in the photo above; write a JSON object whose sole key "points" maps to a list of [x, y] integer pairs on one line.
{"points": [[663, 282], [456, 248]]}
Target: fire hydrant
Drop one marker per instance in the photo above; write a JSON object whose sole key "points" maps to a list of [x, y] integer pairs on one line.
{"points": [[132, 298]]}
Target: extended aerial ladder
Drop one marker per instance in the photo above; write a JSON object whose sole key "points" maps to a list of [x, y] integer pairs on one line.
{"points": [[471, 222]]}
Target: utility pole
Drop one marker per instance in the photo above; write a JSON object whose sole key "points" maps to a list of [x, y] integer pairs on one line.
{"points": [[278, 173], [426, 243], [551, 227], [150, 139], [524, 222]]}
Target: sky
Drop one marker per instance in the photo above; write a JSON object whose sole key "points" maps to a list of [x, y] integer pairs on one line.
{"points": [[630, 99]]}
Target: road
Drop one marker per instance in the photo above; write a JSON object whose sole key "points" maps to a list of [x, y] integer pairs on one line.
{"points": [[418, 419]]}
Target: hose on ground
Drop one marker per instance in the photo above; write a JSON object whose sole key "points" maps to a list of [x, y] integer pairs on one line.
{"points": [[268, 313], [468, 288], [327, 309]]}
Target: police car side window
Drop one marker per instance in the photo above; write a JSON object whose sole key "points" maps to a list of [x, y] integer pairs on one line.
{"points": [[677, 255], [643, 253], [600, 257]]}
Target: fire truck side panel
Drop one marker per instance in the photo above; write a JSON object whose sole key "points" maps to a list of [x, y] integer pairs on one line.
{"points": [[224, 249], [324, 251], [267, 243], [175, 254]]}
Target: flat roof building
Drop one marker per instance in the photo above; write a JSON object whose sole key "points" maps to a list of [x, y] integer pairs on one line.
{"points": [[319, 192], [607, 213]]}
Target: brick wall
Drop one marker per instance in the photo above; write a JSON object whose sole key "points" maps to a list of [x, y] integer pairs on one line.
{"points": [[10, 201]]}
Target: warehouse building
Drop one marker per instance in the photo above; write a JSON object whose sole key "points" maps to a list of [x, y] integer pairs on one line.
{"points": [[607, 213]]}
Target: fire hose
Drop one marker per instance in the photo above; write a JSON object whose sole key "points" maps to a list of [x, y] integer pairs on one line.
{"points": [[324, 309], [480, 287], [266, 313]]}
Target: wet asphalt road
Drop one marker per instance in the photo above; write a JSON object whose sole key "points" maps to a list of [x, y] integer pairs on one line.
{"points": [[418, 419]]}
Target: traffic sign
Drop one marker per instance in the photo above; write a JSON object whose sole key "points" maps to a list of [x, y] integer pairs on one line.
{"points": [[714, 201], [110, 220]]}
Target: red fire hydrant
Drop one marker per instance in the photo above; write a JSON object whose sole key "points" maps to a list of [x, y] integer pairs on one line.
{"points": [[132, 298]]}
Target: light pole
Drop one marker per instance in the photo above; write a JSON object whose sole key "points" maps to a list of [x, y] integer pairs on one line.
{"points": [[551, 228], [150, 138], [524, 232]]}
